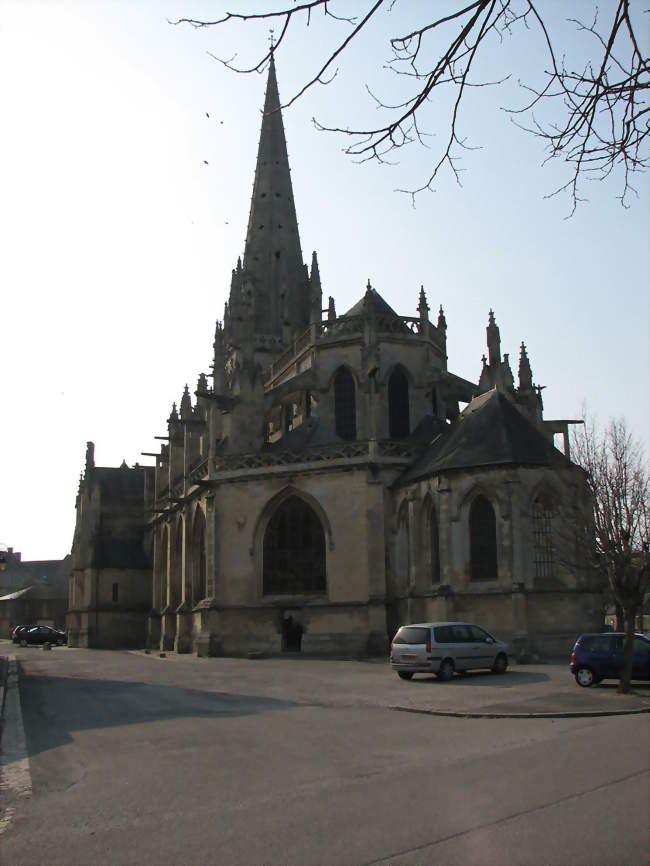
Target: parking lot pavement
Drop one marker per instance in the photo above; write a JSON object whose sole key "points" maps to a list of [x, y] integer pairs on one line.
{"points": [[524, 690]]}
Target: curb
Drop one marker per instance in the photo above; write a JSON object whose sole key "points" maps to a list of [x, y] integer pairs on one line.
{"points": [[568, 714]]}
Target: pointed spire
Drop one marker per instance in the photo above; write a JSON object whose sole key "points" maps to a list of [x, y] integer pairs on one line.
{"points": [[202, 383], [316, 291], [272, 253], [173, 415], [423, 307], [493, 341], [442, 322], [186, 404], [525, 372]]}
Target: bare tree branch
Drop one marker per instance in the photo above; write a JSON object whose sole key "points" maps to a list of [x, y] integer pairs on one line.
{"points": [[599, 116]]}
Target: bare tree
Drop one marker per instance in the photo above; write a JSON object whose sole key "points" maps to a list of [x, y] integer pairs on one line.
{"points": [[600, 117], [618, 481]]}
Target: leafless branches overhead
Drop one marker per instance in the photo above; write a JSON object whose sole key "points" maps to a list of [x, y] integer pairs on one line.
{"points": [[593, 115]]}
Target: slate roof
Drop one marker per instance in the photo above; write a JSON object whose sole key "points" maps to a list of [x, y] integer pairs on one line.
{"points": [[372, 301], [490, 431]]}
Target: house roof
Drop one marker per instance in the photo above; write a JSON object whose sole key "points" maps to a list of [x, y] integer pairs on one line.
{"points": [[490, 431]]}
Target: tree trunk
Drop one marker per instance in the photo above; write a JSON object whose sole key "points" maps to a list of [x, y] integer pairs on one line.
{"points": [[628, 651], [620, 618]]}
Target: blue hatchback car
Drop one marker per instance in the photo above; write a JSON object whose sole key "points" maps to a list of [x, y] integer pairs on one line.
{"points": [[597, 657]]}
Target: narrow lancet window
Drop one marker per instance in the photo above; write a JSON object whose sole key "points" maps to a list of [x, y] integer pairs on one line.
{"points": [[345, 405], [398, 405], [483, 540]]}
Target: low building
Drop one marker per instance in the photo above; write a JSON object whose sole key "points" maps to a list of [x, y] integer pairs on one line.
{"points": [[110, 575], [32, 591]]}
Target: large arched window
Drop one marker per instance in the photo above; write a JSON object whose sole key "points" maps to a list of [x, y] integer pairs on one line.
{"points": [[294, 550], [345, 405], [398, 405], [434, 546], [543, 536], [483, 540], [199, 589]]}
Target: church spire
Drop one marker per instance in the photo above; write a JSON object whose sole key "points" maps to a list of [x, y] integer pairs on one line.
{"points": [[273, 265]]}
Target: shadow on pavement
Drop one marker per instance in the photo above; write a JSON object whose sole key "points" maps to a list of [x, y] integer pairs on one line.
{"points": [[511, 679], [54, 707]]}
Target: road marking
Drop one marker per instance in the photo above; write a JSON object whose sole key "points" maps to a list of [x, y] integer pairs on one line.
{"points": [[15, 775]]}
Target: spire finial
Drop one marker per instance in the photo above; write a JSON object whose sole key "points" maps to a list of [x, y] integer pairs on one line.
{"points": [[423, 307], [271, 40], [442, 322], [186, 404], [525, 372], [493, 341]]}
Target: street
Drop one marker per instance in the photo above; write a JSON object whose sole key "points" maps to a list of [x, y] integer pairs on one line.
{"points": [[136, 759]]}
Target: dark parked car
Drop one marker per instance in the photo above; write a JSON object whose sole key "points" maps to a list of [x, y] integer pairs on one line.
{"points": [[597, 657], [39, 634], [18, 630]]}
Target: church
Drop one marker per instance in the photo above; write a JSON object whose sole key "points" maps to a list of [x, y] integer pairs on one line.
{"points": [[331, 479]]}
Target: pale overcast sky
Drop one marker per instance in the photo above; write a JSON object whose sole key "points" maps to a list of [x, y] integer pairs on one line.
{"points": [[124, 208]]}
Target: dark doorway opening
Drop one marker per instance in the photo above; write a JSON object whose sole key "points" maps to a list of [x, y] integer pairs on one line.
{"points": [[291, 635]]}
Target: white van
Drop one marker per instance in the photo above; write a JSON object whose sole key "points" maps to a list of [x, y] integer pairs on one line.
{"points": [[445, 647]]}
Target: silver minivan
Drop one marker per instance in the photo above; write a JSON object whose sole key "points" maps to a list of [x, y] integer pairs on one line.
{"points": [[445, 647]]}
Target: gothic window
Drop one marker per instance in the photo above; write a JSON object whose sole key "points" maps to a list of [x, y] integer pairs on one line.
{"points": [[543, 537], [483, 540], [294, 550], [398, 405], [402, 550], [164, 570], [199, 588], [345, 405], [434, 545], [176, 576]]}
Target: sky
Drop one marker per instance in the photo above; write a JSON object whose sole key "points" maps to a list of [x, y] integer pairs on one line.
{"points": [[126, 169]]}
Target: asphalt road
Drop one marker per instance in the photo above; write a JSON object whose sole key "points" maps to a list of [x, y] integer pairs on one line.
{"points": [[141, 760]]}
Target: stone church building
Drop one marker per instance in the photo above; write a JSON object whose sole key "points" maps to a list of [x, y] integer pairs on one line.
{"points": [[323, 484]]}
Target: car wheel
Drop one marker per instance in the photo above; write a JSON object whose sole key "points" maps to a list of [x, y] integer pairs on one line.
{"points": [[585, 677], [500, 665], [23, 642], [446, 670], [405, 675]]}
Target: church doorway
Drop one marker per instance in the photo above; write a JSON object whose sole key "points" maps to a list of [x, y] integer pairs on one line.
{"points": [[291, 633]]}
